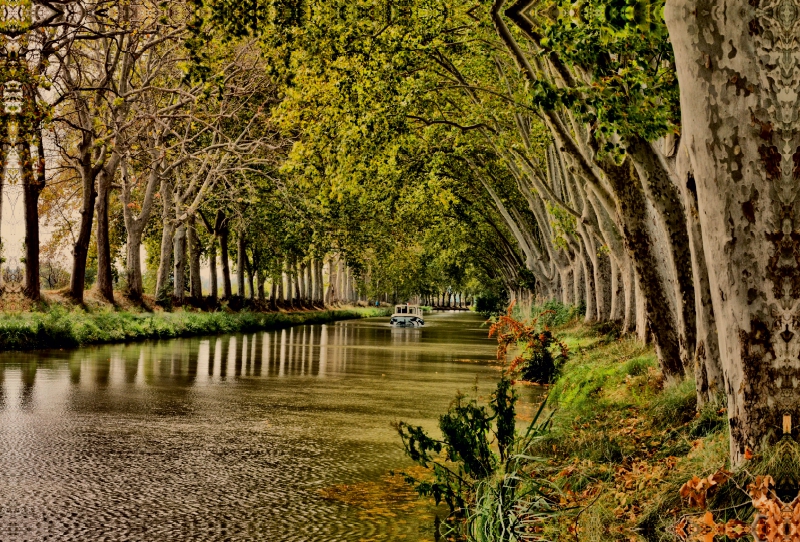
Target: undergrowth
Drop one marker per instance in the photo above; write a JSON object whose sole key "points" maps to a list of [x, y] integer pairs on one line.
{"points": [[60, 328], [619, 444], [623, 441]]}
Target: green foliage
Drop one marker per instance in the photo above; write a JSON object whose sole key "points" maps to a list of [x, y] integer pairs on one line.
{"points": [[564, 225], [490, 303], [467, 430], [624, 46], [554, 314], [59, 328], [484, 489]]}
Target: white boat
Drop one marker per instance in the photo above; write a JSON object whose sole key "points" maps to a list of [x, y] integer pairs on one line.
{"points": [[407, 315]]}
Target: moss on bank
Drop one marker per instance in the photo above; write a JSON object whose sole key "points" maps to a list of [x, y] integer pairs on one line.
{"points": [[60, 328]]}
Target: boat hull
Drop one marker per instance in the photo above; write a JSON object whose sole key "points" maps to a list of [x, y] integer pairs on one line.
{"points": [[404, 320]]}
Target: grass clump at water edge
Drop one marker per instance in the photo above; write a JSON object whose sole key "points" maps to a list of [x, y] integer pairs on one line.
{"points": [[60, 328], [618, 444]]}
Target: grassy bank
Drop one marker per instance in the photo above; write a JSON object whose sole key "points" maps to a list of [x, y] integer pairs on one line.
{"points": [[59, 328], [623, 442]]}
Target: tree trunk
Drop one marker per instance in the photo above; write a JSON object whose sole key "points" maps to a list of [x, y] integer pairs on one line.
{"points": [[260, 280], [632, 212], [105, 283], [629, 280], [227, 289], [640, 310], [167, 233], [579, 282], [80, 251], [707, 368], [303, 290], [133, 267], [602, 280], [250, 278], [240, 258], [738, 69], [676, 258], [298, 279], [330, 295], [617, 293], [33, 185], [320, 282], [195, 282], [179, 258], [212, 267], [249, 267], [591, 295], [273, 293]]}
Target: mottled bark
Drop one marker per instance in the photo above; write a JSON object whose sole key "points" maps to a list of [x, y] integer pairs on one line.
{"points": [[590, 296], [707, 368], [632, 211], [616, 312], [167, 232], [676, 260], [738, 69]]}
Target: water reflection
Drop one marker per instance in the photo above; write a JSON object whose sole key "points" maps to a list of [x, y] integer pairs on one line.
{"points": [[222, 438]]}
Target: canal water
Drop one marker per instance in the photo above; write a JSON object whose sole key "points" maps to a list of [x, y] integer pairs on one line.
{"points": [[277, 436]]}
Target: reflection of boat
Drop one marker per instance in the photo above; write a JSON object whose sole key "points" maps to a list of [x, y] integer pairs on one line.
{"points": [[407, 315]]}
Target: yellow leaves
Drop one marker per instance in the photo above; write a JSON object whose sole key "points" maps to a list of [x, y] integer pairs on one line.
{"points": [[697, 490]]}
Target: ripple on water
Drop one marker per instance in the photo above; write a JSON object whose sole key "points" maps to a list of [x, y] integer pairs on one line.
{"points": [[231, 438]]}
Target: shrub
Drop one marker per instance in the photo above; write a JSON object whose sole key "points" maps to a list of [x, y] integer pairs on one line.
{"points": [[536, 362], [554, 313], [489, 303], [484, 489]]}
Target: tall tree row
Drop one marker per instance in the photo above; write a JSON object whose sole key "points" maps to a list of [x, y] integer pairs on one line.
{"points": [[342, 151]]}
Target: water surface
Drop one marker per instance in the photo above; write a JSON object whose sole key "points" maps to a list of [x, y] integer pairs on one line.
{"points": [[225, 438]]}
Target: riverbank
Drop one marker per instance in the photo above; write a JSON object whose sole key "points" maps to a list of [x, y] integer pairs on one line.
{"points": [[58, 327], [623, 441]]}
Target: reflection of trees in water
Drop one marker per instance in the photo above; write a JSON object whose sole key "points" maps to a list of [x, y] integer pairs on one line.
{"points": [[305, 351]]}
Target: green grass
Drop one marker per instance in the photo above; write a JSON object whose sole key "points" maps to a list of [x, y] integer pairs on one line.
{"points": [[60, 328], [613, 413]]}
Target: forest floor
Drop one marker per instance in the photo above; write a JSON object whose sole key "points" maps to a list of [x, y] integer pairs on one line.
{"points": [[623, 442], [57, 322]]}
